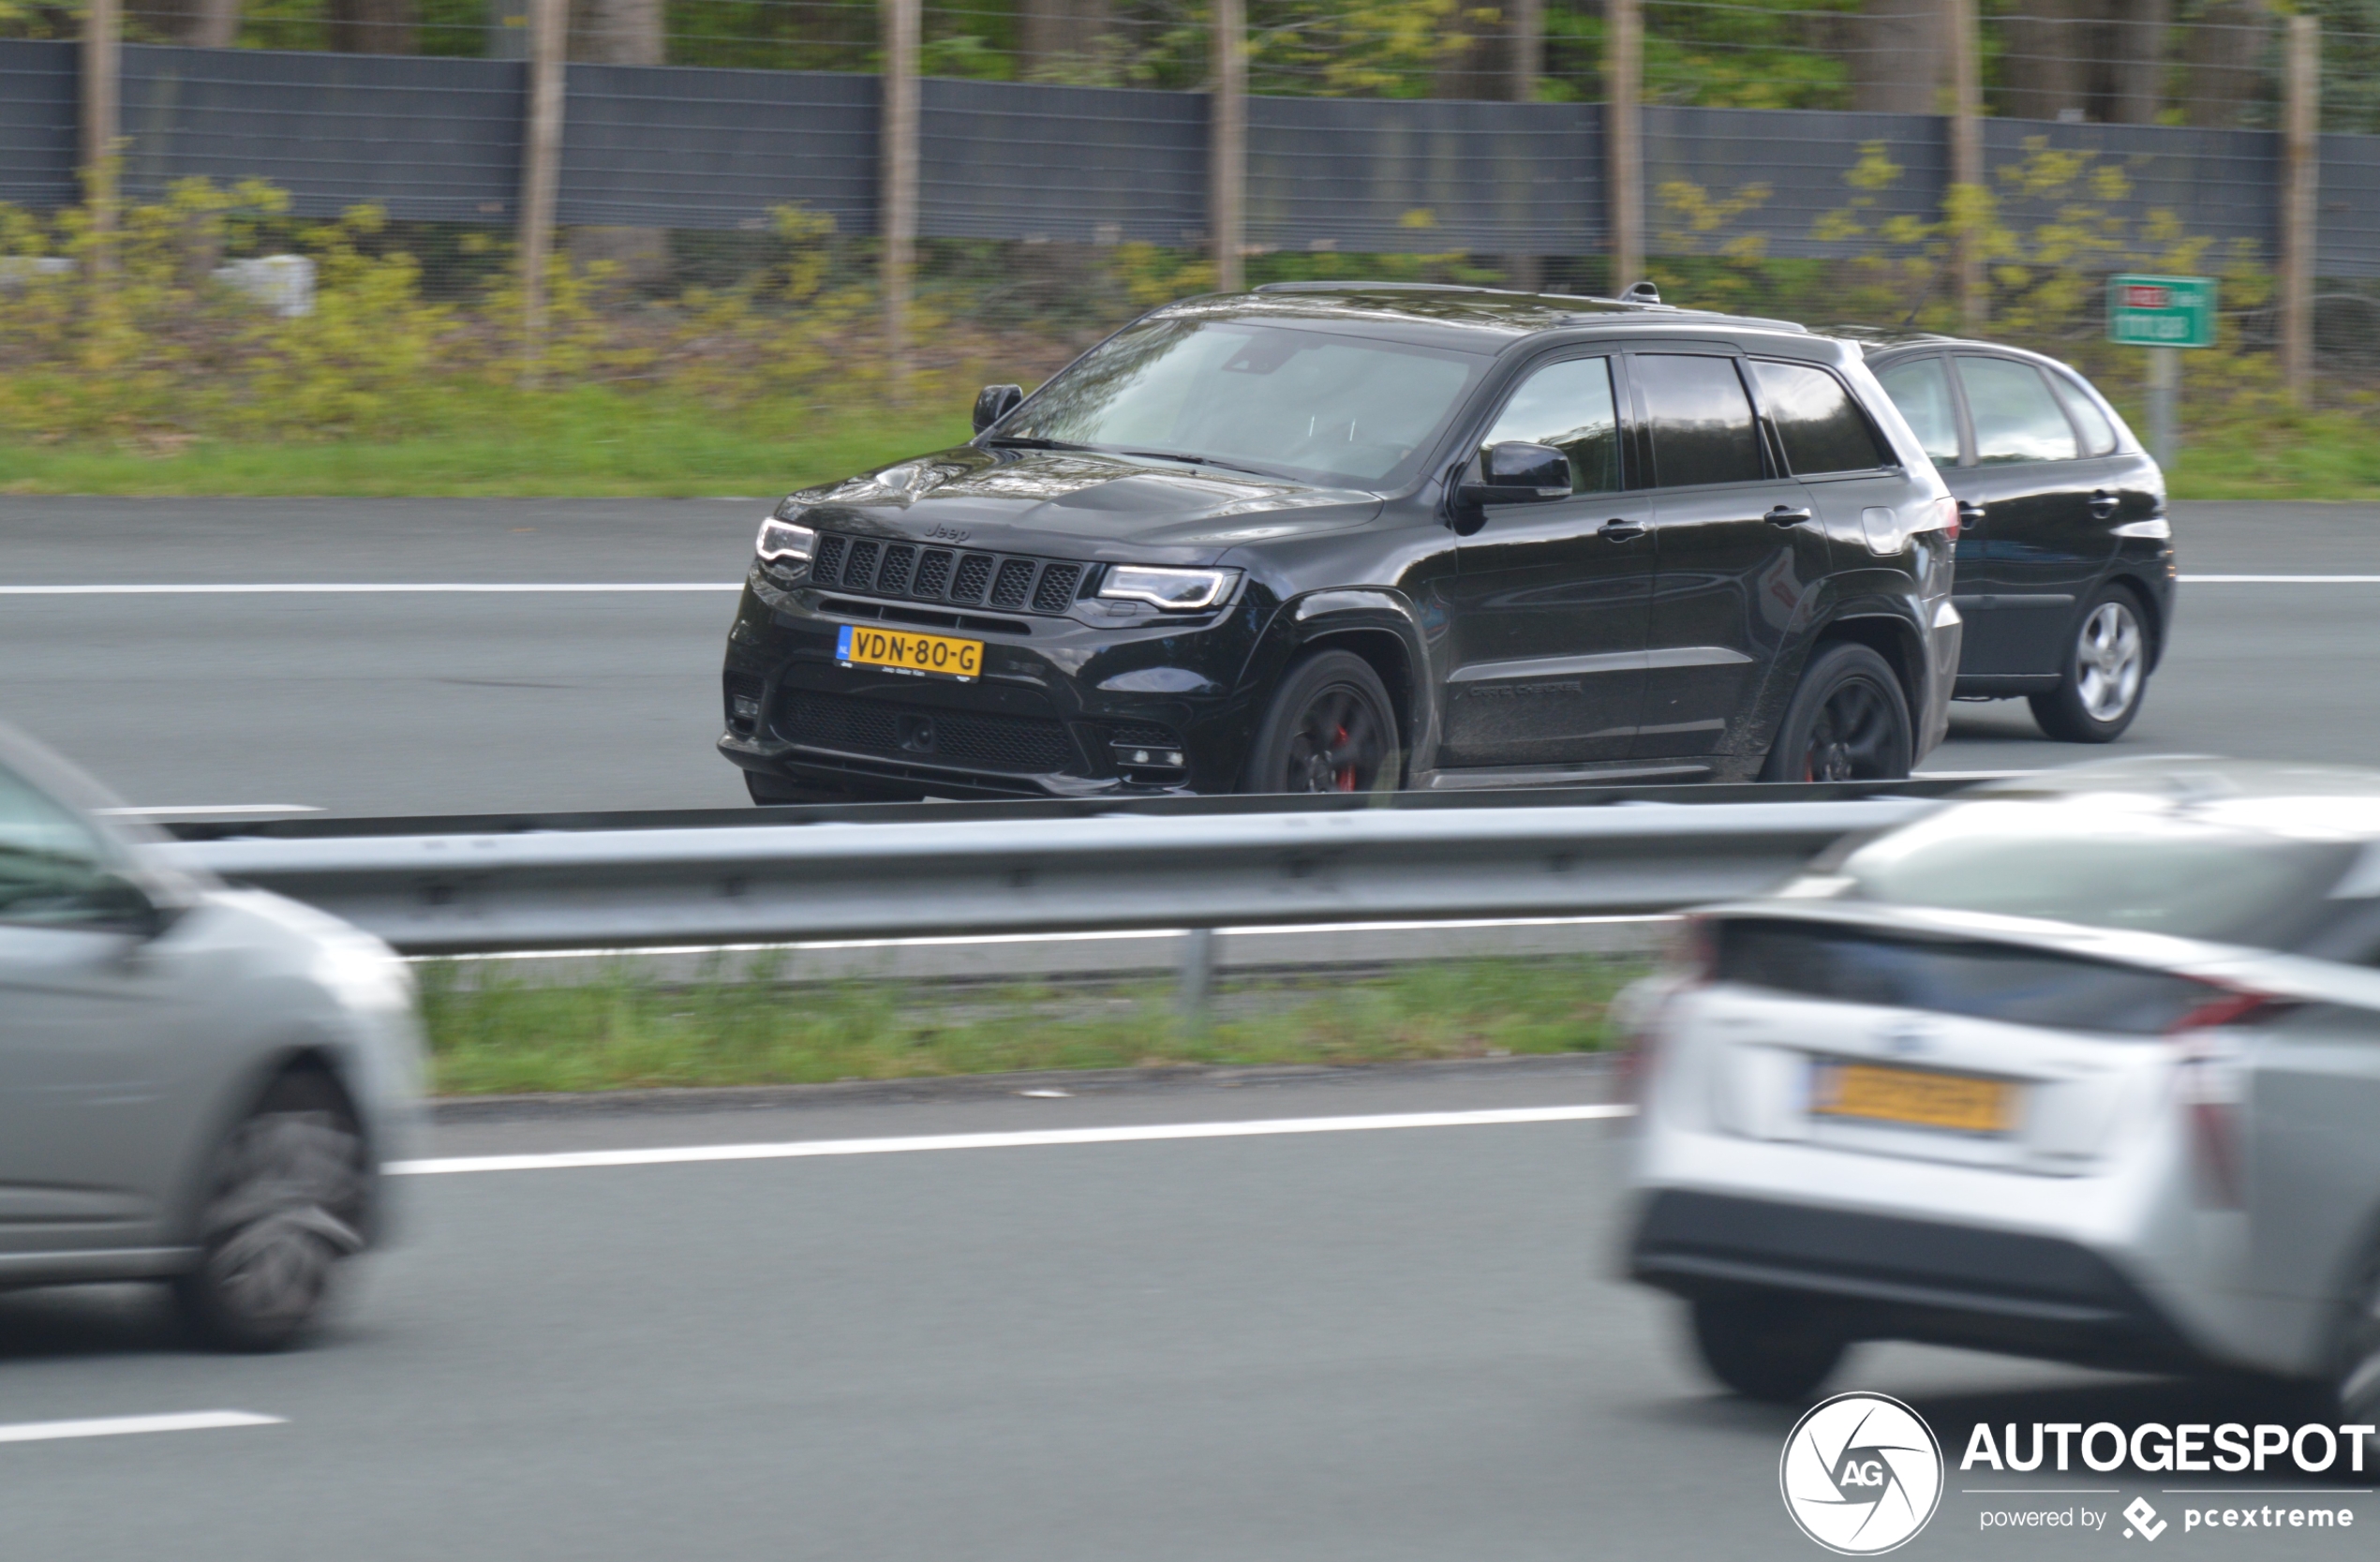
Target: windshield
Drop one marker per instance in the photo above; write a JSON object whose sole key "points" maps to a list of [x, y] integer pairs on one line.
{"points": [[1317, 405], [2146, 868]]}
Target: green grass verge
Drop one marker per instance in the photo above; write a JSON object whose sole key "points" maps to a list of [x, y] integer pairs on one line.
{"points": [[587, 444], [623, 1031], [2322, 455], [597, 443]]}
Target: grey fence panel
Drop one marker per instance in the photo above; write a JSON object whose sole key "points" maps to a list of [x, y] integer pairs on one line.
{"points": [[1788, 174], [2223, 184], [1380, 176], [663, 146], [39, 90], [427, 139], [1008, 160], [2347, 238]]}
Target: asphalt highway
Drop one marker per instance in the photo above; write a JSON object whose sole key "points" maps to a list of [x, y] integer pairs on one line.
{"points": [[365, 702], [1382, 1344]]}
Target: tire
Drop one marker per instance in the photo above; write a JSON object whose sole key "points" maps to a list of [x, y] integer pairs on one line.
{"points": [[1848, 720], [2104, 672], [777, 792], [281, 1210], [1777, 1349], [1330, 728], [2352, 1390]]}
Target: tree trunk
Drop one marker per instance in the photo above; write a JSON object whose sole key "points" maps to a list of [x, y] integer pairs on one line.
{"points": [[1064, 40], [2136, 61], [2041, 58], [373, 26], [1899, 56], [621, 32], [2221, 53]]}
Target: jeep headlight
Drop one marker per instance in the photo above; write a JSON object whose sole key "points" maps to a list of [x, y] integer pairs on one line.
{"points": [[784, 540], [1175, 591]]}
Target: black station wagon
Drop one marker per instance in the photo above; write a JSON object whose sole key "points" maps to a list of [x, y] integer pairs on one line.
{"points": [[2065, 554], [1346, 537]]}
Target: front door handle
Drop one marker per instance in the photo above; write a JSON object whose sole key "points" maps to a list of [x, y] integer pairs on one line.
{"points": [[1971, 515], [1617, 530], [1787, 515], [2104, 505]]}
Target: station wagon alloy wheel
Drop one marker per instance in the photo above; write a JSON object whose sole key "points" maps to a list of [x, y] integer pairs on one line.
{"points": [[2108, 661]]}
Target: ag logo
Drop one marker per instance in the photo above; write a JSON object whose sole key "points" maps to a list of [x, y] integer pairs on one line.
{"points": [[1861, 1474]]}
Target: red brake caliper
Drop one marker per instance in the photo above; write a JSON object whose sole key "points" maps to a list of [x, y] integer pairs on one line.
{"points": [[1346, 772]]}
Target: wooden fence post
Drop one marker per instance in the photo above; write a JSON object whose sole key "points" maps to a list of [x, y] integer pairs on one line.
{"points": [[2301, 123], [1228, 143], [541, 173], [1624, 140], [102, 124], [897, 193], [1967, 192]]}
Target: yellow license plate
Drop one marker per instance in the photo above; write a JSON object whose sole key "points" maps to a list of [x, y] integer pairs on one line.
{"points": [[855, 646], [1915, 1096]]}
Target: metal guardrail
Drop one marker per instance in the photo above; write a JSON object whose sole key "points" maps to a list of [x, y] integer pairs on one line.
{"points": [[934, 873], [1011, 811]]}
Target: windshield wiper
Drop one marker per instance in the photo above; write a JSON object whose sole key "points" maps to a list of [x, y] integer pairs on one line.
{"points": [[1031, 441], [1198, 461]]}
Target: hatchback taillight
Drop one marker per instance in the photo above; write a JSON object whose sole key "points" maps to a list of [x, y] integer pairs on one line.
{"points": [[2211, 1087], [1693, 960]]}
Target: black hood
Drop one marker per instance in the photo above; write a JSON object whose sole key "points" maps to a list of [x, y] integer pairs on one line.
{"points": [[1080, 504]]}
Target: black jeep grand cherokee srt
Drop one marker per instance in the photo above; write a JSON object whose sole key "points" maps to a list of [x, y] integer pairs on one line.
{"points": [[1339, 537]]}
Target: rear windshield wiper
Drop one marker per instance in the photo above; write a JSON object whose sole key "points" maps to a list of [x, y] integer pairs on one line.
{"points": [[1197, 461]]}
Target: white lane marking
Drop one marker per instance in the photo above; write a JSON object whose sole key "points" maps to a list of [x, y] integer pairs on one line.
{"points": [[938, 939], [371, 588], [120, 1426], [196, 809], [575, 1160], [2280, 580]]}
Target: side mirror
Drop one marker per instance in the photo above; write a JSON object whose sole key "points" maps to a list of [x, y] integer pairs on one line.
{"points": [[1516, 472], [995, 402]]}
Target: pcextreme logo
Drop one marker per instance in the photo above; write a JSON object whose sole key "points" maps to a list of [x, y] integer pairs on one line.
{"points": [[1861, 1474]]}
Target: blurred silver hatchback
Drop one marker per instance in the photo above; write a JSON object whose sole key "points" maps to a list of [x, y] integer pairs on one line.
{"points": [[2085, 1067], [197, 1084]]}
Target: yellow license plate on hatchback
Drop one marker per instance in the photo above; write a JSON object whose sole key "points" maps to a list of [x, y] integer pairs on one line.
{"points": [[1915, 1098], [929, 654]]}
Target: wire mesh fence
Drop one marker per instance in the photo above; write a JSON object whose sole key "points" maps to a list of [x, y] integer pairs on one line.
{"points": [[1415, 137]]}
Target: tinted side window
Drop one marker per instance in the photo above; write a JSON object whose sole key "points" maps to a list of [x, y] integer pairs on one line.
{"points": [[2015, 417], [1821, 428], [1702, 421], [52, 868], [2098, 434], [1921, 390], [1569, 407]]}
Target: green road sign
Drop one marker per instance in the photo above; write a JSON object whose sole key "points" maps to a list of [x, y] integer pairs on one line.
{"points": [[2162, 311]]}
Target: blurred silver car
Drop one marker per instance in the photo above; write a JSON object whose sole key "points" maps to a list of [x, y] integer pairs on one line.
{"points": [[197, 1084], [2085, 1066]]}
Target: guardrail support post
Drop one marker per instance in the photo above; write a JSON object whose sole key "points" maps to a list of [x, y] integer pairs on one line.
{"points": [[897, 197], [2302, 152], [1196, 995], [1966, 193], [102, 124], [541, 173], [1624, 140], [1228, 143]]}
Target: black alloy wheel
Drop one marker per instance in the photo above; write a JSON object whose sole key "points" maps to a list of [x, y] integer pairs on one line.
{"points": [[1847, 721], [282, 1208], [1329, 729]]}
